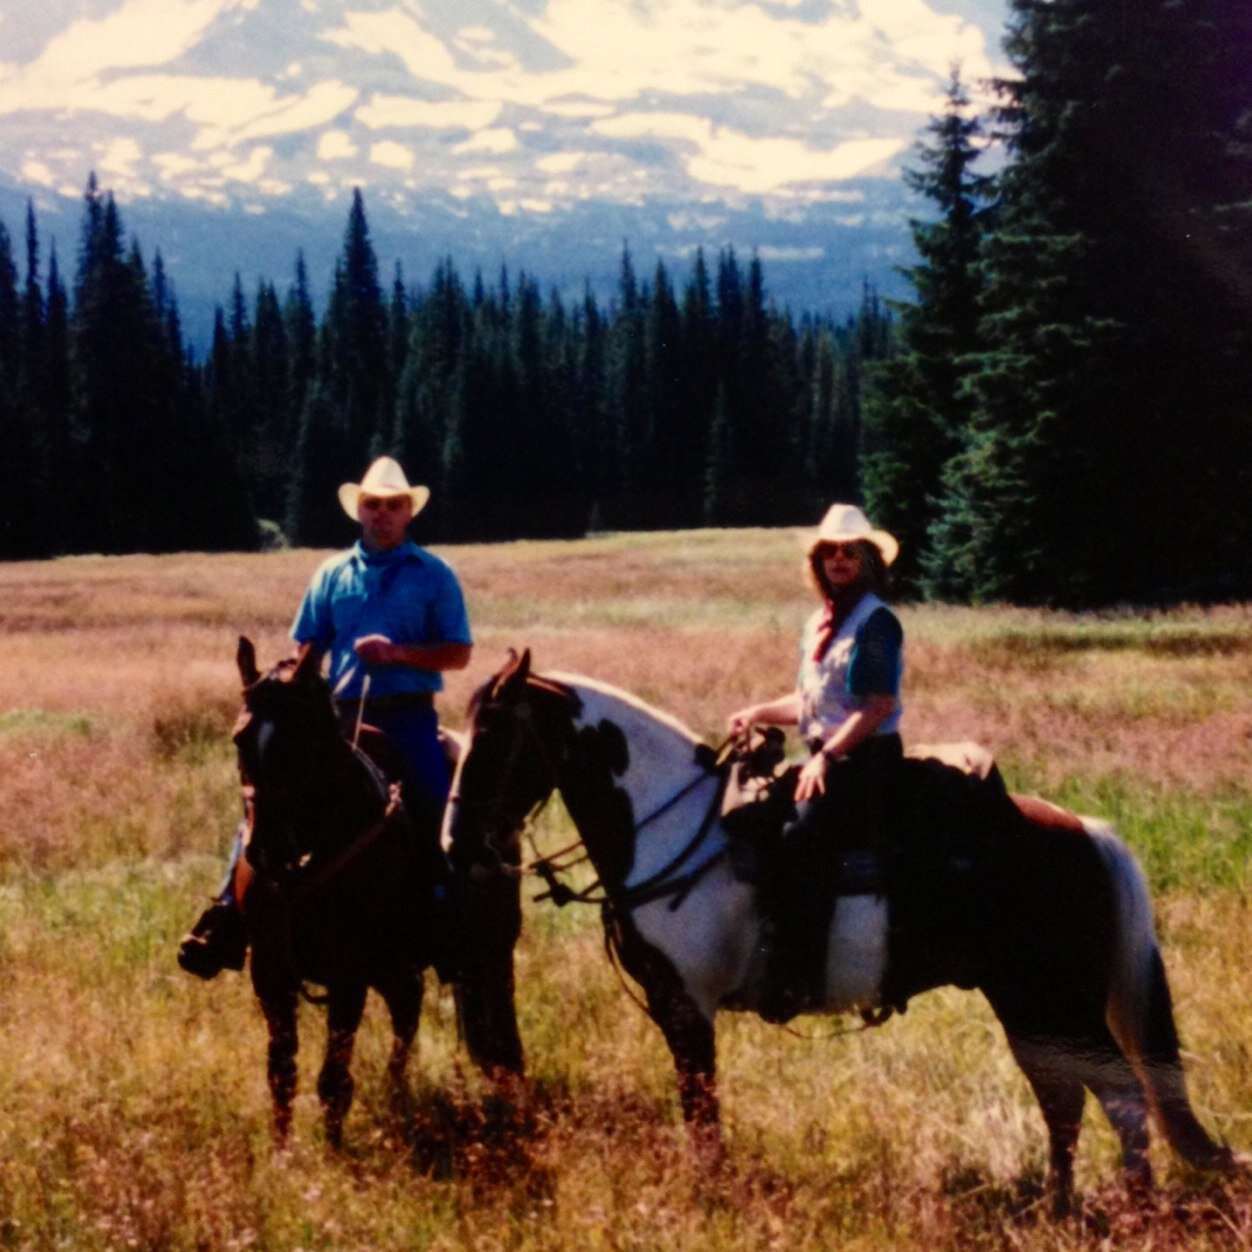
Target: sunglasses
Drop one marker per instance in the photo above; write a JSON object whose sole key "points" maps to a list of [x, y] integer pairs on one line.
{"points": [[852, 548], [393, 504]]}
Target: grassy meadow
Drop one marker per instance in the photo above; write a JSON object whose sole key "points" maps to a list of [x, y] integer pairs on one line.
{"points": [[133, 1105]]}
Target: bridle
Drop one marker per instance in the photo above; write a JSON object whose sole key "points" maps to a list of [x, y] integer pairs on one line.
{"points": [[673, 881], [309, 872]]}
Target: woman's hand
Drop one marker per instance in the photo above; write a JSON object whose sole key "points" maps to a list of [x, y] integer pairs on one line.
{"points": [[812, 778], [784, 711], [740, 720]]}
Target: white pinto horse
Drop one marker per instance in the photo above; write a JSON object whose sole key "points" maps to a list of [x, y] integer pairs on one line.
{"points": [[1046, 914]]}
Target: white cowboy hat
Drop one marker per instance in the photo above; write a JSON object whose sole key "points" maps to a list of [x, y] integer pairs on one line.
{"points": [[384, 478], [845, 523]]}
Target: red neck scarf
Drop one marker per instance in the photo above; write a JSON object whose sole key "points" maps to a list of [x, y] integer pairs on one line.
{"points": [[826, 629], [834, 614]]}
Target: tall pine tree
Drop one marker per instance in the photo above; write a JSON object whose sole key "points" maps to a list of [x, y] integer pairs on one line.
{"points": [[917, 406], [1109, 436]]}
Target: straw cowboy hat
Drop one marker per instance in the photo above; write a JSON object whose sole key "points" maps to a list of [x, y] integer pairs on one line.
{"points": [[845, 523], [383, 479]]}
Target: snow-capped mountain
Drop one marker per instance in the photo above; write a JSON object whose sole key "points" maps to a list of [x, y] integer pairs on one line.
{"points": [[538, 133]]}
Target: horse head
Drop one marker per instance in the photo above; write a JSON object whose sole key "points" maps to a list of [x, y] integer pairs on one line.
{"points": [[287, 739], [518, 737], [520, 728]]}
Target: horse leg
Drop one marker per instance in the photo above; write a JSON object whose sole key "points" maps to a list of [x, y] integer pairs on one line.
{"points": [[1066, 1047], [1048, 1029], [403, 995], [279, 1007], [1061, 1097], [1125, 1104], [334, 1083], [688, 1032], [485, 1004], [692, 1044]]}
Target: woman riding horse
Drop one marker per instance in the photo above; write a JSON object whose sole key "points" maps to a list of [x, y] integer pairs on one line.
{"points": [[847, 705], [1045, 913]]}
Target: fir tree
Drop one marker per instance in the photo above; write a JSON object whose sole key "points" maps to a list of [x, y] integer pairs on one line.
{"points": [[666, 436], [428, 393], [1106, 385], [354, 392], [266, 454], [595, 433], [301, 334], [917, 405], [695, 388], [356, 329], [19, 523], [627, 403]]}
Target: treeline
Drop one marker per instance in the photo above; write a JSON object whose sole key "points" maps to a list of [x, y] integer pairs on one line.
{"points": [[1067, 415], [106, 440], [1062, 414], [674, 406]]}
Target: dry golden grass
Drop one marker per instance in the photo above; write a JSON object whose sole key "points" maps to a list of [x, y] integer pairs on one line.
{"points": [[133, 1110]]}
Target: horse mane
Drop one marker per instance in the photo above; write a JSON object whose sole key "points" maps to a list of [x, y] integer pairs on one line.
{"points": [[571, 689], [575, 682]]}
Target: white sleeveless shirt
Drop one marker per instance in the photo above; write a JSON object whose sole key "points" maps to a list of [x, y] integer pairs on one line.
{"points": [[825, 701]]}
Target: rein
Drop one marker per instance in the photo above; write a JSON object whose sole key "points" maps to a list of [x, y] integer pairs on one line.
{"points": [[657, 886], [663, 883]]}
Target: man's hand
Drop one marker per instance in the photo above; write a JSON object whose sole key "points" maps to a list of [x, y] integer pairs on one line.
{"points": [[376, 650]]}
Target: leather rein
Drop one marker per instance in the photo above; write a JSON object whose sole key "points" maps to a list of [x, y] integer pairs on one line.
{"points": [[320, 874], [665, 883]]}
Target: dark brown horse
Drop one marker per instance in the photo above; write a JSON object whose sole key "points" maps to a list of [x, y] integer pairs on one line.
{"points": [[1046, 914], [335, 885]]}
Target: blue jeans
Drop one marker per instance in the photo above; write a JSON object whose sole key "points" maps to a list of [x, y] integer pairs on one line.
{"points": [[415, 732]]}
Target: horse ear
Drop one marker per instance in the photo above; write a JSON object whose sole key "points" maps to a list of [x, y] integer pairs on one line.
{"points": [[513, 672], [307, 661], [245, 658]]}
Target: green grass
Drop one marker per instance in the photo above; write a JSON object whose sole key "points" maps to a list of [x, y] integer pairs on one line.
{"points": [[31, 724], [133, 1107]]}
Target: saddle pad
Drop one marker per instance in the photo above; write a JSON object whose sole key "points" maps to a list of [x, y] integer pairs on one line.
{"points": [[966, 755]]}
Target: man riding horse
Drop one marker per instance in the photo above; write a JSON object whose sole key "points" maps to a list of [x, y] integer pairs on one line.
{"points": [[391, 618]]}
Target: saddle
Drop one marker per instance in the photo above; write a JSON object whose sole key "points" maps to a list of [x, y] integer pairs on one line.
{"points": [[947, 812], [940, 796]]}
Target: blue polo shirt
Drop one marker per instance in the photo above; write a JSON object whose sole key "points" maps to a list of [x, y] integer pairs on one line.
{"points": [[407, 594]]}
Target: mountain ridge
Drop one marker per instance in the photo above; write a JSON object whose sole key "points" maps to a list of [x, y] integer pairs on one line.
{"points": [[540, 134]]}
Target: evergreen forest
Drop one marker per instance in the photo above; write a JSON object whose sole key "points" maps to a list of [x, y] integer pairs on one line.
{"points": [[672, 407], [1061, 413]]}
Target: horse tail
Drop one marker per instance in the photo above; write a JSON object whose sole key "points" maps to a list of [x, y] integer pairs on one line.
{"points": [[1140, 1011]]}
